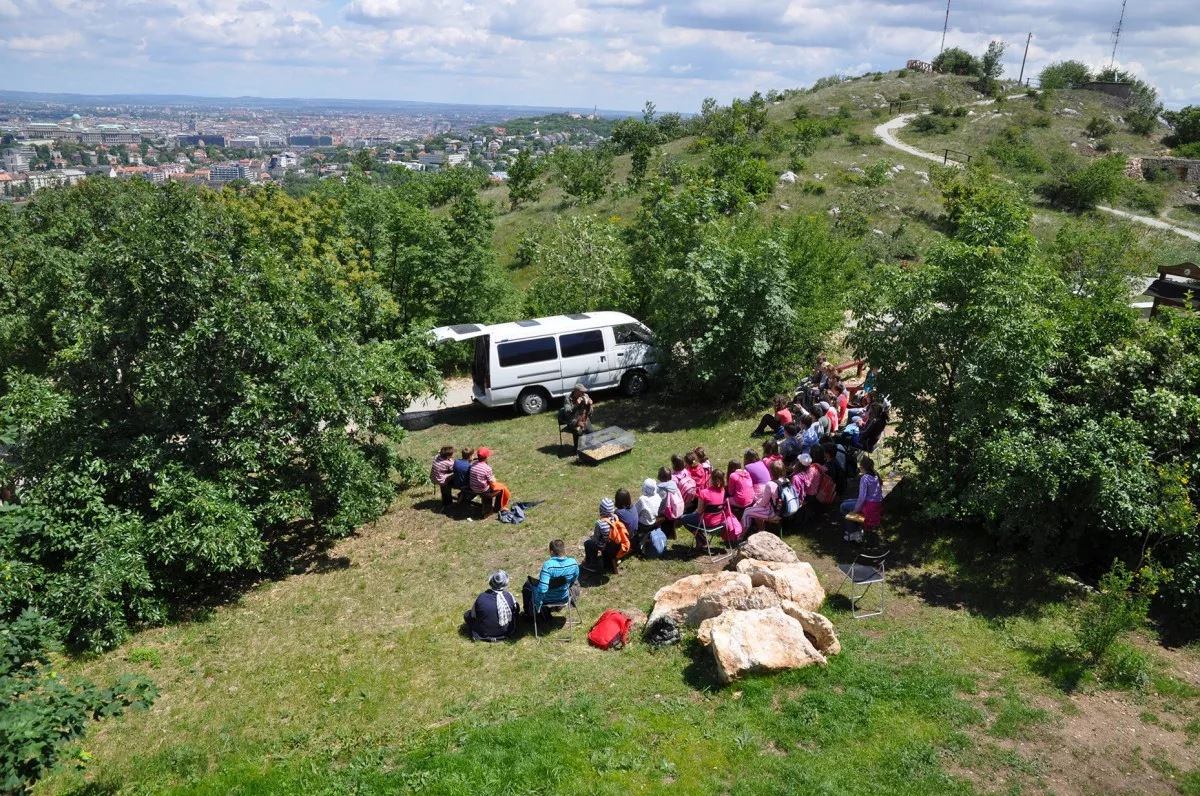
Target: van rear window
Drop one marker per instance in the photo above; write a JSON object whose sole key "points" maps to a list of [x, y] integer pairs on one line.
{"points": [[580, 343], [523, 352]]}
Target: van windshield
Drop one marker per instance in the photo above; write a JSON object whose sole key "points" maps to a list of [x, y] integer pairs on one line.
{"points": [[480, 362], [632, 333]]}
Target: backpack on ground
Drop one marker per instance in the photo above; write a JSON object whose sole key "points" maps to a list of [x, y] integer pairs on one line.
{"points": [[611, 631], [826, 489], [787, 500]]}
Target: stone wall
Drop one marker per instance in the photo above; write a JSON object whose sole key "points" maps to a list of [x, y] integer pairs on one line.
{"points": [[1187, 170]]}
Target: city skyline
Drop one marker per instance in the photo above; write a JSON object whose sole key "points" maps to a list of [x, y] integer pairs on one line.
{"points": [[560, 54]]}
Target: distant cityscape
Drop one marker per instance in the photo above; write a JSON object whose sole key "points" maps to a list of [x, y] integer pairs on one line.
{"points": [[48, 140]]}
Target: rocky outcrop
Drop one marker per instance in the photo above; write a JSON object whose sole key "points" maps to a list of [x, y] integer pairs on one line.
{"points": [[766, 546], [757, 642], [818, 628], [796, 581], [680, 600]]}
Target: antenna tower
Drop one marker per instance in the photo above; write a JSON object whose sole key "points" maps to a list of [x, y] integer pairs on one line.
{"points": [[946, 27], [1116, 35]]}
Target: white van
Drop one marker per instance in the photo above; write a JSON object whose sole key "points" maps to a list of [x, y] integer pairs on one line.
{"points": [[528, 363]]}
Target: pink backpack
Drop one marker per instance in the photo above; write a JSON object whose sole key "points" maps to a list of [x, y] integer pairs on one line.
{"points": [[686, 484], [673, 506]]}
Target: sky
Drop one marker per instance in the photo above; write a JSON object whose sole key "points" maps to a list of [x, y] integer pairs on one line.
{"points": [[558, 53]]}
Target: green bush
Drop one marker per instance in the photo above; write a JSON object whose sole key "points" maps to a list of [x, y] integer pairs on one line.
{"points": [[584, 175], [1082, 187], [878, 173], [1112, 611], [902, 73], [845, 111], [933, 124], [1045, 100], [1098, 127], [1191, 150], [878, 77], [1042, 120], [1066, 74], [813, 188], [1186, 123], [1013, 148], [956, 61], [1145, 196], [43, 713]]}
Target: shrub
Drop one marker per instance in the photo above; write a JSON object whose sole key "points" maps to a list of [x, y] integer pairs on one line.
{"points": [[878, 77], [930, 123], [813, 188], [956, 61], [1066, 74], [1082, 187], [1104, 145], [801, 112], [43, 712], [1012, 148], [1042, 120], [902, 73], [584, 175], [1045, 100], [904, 96], [1098, 127], [1191, 150], [878, 173], [1124, 666], [581, 266], [845, 111], [1114, 610], [1145, 196], [1141, 122]]}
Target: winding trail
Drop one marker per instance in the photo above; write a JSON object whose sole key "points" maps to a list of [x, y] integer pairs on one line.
{"points": [[885, 132]]}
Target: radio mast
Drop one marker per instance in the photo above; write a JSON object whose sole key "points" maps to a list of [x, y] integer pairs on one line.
{"points": [[946, 26], [1116, 35]]}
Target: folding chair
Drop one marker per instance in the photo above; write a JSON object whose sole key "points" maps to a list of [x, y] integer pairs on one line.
{"points": [[867, 570], [709, 532], [569, 604]]}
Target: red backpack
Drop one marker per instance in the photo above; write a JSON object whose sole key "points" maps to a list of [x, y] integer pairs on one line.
{"points": [[825, 488], [610, 631]]}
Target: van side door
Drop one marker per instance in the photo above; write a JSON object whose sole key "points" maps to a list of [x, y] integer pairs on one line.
{"points": [[585, 356], [521, 363]]}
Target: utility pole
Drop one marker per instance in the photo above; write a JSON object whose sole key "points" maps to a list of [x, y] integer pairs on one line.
{"points": [[1021, 79], [945, 27], [1116, 35]]}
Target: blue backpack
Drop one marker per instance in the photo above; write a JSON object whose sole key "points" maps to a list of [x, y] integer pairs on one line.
{"points": [[655, 544], [787, 502]]}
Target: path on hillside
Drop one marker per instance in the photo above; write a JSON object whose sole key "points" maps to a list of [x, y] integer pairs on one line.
{"points": [[885, 130]]}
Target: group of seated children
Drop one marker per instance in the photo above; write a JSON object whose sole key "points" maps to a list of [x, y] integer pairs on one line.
{"points": [[471, 475], [494, 615]]}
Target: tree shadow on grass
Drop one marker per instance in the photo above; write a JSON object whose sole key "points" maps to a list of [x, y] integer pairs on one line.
{"points": [[1062, 667]]}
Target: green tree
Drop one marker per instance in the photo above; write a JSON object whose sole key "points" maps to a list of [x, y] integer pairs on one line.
{"points": [[583, 174], [966, 338], [638, 137], [187, 400], [364, 160], [523, 184], [990, 67], [956, 61], [1186, 123], [1065, 75], [582, 265]]}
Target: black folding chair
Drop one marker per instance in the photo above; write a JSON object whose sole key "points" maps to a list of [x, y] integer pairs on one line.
{"points": [[866, 571], [570, 603]]}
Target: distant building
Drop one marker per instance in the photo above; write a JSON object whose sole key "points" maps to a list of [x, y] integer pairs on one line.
{"points": [[284, 160], [431, 158], [228, 172], [202, 140], [17, 159], [310, 140], [244, 142], [456, 159]]}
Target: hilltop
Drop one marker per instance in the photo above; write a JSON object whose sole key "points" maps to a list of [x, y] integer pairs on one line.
{"points": [[900, 211]]}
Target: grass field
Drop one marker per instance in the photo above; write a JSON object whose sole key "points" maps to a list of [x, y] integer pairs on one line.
{"points": [[353, 676]]}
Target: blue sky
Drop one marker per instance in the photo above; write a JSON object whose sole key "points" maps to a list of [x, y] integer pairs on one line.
{"points": [[571, 53]]}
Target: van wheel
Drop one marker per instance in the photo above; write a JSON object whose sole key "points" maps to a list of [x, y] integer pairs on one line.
{"points": [[532, 402], [635, 383]]}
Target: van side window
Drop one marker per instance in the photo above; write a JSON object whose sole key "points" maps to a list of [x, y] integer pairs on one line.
{"points": [[523, 352], [580, 343], [630, 333]]}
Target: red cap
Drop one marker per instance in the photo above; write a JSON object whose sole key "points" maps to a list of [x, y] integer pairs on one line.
{"points": [[483, 453]]}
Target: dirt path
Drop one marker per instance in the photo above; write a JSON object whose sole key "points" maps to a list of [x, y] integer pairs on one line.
{"points": [[885, 132]]}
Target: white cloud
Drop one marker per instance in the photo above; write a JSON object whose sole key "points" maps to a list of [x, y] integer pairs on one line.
{"points": [[615, 53]]}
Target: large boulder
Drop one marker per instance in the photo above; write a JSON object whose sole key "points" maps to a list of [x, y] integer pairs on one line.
{"points": [[817, 627], [756, 642], [766, 546], [791, 581], [731, 598], [681, 599]]}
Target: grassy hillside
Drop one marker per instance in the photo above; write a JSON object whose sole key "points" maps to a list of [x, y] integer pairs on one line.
{"points": [[902, 213], [352, 675]]}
